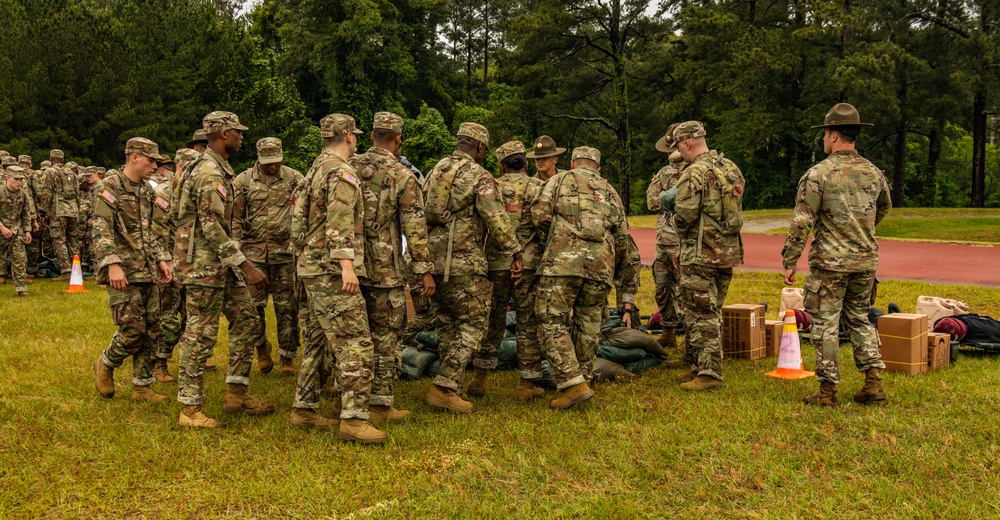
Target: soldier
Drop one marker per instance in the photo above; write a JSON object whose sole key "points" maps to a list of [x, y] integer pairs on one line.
{"points": [[708, 216], [84, 224], [65, 212], [841, 200], [546, 155], [163, 172], [581, 220], [15, 226], [31, 180], [394, 207], [130, 260], [328, 226], [262, 220], [462, 205], [518, 191], [206, 260], [199, 141]]}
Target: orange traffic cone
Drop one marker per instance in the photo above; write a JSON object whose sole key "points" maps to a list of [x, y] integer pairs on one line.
{"points": [[790, 355], [76, 277]]}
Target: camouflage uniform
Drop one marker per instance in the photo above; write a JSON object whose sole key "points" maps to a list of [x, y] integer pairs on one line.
{"points": [[172, 312], [16, 215], [463, 294], [123, 235], [707, 253], [328, 221], [42, 197], [84, 220], [841, 200], [664, 275], [206, 262], [394, 206], [582, 221], [66, 211], [262, 219]]}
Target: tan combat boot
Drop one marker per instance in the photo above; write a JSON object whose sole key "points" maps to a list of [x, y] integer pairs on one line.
{"points": [[687, 375], [358, 430], [572, 396], [22, 294], [702, 383], [668, 339], [239, 400], [61, 278], [307, 418], [146, 393], [286, 367], [873, 391], [264, 361], [527, 390], [193, 417], [448, 399], [161, 373], [379, 415], [827, 395], [477, 387], [209, 367], [104, 378]]}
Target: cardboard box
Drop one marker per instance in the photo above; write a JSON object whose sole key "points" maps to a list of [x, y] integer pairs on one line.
{"points": [[743, 335], [904, 342], [938, 350], [772, 336]]}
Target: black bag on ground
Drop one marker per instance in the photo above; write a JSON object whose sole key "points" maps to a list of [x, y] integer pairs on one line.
{"points": [[982, 329]]}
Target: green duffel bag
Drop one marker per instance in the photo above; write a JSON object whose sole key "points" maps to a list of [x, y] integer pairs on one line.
{"points": [[507, 360], [623, 337], [434, 368], [511, 323], [428, 340], [643, 364], [620, 355], [419, 359], [410, 372], [606, 370]]}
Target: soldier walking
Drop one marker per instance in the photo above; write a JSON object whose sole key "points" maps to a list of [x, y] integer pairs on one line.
{"points": [[15, 226]]}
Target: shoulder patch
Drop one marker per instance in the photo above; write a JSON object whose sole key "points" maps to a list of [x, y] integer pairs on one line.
{"points": [[349, 178], [222, 190], [106, 195], [162, 202]]}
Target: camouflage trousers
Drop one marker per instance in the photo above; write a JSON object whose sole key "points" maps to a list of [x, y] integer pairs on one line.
{"points": [[463, 308], [569, 310], [703, 294], [529, 352], [34, 249], [14, 248], [314, 339], [286, 308], [86, 245], [136, 312], [424, 316], [173, 317], [666, 292], [341, 318], [828, 293], [489, 352], [204, 304], [386, 307], [65, 241]]}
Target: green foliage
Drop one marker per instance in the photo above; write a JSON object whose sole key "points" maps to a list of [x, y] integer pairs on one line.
{"points": [[427, 139]]}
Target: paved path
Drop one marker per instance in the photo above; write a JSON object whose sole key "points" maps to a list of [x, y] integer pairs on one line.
{"points": [[925, 261]]}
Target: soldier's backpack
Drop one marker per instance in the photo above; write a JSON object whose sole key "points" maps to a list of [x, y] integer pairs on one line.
{"points": [[589, 219], [439, 195], [729, 178], [301, 202]]}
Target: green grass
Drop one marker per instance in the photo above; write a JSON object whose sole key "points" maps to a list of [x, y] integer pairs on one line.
{"points": [[640, 449]]}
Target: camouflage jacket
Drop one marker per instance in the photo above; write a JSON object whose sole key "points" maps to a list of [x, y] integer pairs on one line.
{"points": [[163, 223], [123, 230], [699, 194], [202, 209], [477, 209], [335, 219], [15, 211], [581, 220], [518, 192], [628, 266], [262, 214], [666, 178], [840, 200], [65, 191], [87, 203], [394, 207], [41, 192]]}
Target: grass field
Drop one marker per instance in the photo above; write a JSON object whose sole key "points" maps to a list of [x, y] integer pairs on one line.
{"points": [[640, 449]]}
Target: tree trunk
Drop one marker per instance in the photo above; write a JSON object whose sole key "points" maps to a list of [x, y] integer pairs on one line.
{"points": [[978, 198], [933, 155], [486, 43]]}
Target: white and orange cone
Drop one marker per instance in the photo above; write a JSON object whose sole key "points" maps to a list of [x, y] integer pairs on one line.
{"points": [[790, 355], [76, 277]]}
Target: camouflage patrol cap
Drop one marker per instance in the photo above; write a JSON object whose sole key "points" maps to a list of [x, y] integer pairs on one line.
{"points": [[336, 125], [91, 170], [586, 152], [666, 144], [101, 169], [269, 150], [56, 154], [45, 164], [509, 148], [475, 131], [15, 172], [112, 171], [388, 121], [843, 114], [72, 165], [24, 158], [676, 157], [200, 136], [688, 130], [4, 153], [185, 155], [9, 160], [220, 121], [143, 146], [544, 146]]}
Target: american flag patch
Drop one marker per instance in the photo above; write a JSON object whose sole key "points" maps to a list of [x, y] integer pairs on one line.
{"points": [[162, 202], [222, 190], [512, 207], [106, 195], [349, 178]]}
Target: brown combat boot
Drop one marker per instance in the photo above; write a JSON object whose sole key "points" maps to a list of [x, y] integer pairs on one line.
{"points": [[571, 396], [668, 339], [527, 390], [209, 367], [687, 375], [827, 395], [193, 417], [448, 399], [61, 278], [477, 387], [307, 418], [359, 430], [702, 383], [264, 361], [379, 415], [873, 391], [239, 400], [161, 373], [22, 294], [286, 368], [104, 378], [146, 393]]}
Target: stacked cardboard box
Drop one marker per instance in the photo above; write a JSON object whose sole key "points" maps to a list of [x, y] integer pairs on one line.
{"points": [[904, 342], [938, 350], [772, 336], [743, 335]]}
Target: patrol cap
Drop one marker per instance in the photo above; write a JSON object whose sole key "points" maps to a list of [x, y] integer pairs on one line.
{"points": [[666, 144], [45, 164], [143, 146], [15, 172], [220, 121], [9, 160], [545, 146], [72, 165], [101, 169], [509, 148], [336, 125], [475, 131], [56, 154], [843, 114], [586, 152], [24, 158], [185, 155], [165, 159], [4, 153], [91, 170], [269, 150], [112, 171], [388, 121], [200, 136], [688, 130]]}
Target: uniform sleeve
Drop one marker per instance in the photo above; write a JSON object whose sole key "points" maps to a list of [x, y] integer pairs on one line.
{"points": [[884, 202], [239, 208], [655, 191], [807, 201], [490, 207], [627, 260], [212, 196], [543, 209], [412, 223], [103, 231], [27, 212], [341, 199], [690, 189]]}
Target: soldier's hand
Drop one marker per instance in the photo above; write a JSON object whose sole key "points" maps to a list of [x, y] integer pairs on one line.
{"points": [[429, 286], [516, 269], [677, 260], [166, 268], [255, 277], [34, 225], [790, 276], [350, 285], [7, 233], [116, 277], [627, 319], [27, 238]]}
